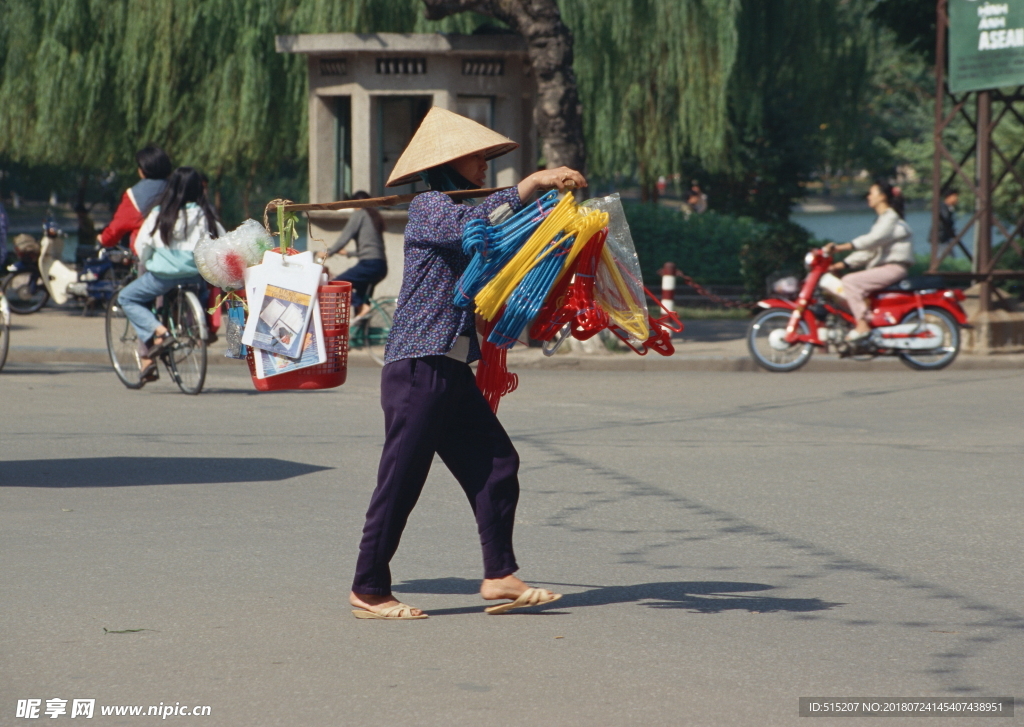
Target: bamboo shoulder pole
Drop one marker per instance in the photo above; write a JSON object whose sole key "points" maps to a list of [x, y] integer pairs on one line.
{"points": [[388, 201]]}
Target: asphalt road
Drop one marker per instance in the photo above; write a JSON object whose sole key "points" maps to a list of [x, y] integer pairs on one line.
{"points": [[727, 543]]}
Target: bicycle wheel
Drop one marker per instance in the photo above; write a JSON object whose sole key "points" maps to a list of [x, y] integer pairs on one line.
{"points": [[5, 331], [25, 292], [377, 327], [123, 345], [186, 359]]}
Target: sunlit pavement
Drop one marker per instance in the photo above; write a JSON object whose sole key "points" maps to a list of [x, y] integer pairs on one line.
{"points": [[726, 543]]}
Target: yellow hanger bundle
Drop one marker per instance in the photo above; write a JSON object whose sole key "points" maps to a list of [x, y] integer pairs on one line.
{"points": [[563, 269]]}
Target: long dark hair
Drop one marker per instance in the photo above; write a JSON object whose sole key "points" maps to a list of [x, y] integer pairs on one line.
{"points": [[183, 186], [893, 196], [375, 216]]}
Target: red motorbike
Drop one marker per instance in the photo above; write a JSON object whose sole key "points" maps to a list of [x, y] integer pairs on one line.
{"points": [[917, 319]]}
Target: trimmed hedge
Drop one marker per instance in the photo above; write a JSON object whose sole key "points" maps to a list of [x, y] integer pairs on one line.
{"points": [[713, 248]]}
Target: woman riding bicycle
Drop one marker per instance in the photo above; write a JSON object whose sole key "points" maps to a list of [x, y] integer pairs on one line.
{"points": [[366, 226], [886, 253], [165, 244]]}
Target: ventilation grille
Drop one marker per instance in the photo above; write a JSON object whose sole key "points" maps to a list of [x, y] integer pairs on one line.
{"points": [[402, 66], [483, 67], [333, 67]]}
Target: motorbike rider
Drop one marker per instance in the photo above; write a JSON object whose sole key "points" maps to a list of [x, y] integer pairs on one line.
{"points": [[183, 218], [154, 166], [886, 254]]}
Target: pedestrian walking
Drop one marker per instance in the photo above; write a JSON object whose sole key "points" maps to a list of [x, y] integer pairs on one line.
{"points": [[428, 392], [947, 215]]}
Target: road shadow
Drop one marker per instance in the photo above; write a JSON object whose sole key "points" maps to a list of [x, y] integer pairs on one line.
{"points": [[692, 596], [140, 471]]}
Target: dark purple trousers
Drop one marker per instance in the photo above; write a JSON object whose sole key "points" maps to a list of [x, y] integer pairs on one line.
{"points": [[432, 404]]}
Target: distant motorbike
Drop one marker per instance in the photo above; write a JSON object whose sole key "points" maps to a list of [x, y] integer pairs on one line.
{"points": [[22, 285], [917, 319], [92, 285]]}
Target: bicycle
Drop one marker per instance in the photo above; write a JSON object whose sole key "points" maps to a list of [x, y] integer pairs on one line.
{"points": [[183, 315], [371, 330]]}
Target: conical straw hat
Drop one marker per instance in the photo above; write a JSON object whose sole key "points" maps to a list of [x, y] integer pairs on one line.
{"points": [[442, 137]]}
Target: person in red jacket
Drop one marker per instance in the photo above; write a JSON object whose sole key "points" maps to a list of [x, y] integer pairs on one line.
{"points": [[154, 168]]}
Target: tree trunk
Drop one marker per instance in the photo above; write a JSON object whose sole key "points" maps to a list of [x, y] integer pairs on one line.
{"points": [[557, 112]]}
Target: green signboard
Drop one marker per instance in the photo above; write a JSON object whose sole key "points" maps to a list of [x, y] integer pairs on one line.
{"points": [[986, 44]]}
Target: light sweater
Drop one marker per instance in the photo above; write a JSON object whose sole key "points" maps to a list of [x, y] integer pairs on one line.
{"points": [[889, 241], [190, 228]]}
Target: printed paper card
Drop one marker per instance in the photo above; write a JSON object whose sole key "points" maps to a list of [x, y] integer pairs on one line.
{"points": [[313, 351], [281, 295]]}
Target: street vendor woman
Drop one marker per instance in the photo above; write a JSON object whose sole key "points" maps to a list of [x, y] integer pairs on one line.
{"points": [[428, 392]]}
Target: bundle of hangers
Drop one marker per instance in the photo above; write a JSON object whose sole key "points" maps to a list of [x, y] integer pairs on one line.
{"points": [[549, 263]]}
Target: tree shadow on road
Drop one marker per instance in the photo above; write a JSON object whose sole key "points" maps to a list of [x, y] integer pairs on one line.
{"points": [[692, 596], [136, 471]]}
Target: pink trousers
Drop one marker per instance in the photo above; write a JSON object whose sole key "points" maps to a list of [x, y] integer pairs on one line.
{"points": [[858, 286]]}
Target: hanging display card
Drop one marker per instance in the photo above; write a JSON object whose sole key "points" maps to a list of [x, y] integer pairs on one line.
{"points": [[313, 351], [281, 293]]}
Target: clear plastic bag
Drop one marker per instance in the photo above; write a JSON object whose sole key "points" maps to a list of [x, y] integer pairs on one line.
{"points": [[619, 288], [222, 261]]}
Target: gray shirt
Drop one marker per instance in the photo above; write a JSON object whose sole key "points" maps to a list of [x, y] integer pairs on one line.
{"points": [[369, 242]]}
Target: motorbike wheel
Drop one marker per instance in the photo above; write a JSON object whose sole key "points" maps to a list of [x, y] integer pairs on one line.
{"points": [[938, 358], [25, 292], [123, 345], [761, 350]]}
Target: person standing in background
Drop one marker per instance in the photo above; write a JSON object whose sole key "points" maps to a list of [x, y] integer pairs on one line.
{"points": [[154, 167], [697, 200], [947, 215]]}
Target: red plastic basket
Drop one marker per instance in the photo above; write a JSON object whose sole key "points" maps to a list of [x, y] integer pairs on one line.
{"points": [[335, 303]]}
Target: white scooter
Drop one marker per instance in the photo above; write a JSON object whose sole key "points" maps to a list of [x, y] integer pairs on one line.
{"points": [[94, 285]]}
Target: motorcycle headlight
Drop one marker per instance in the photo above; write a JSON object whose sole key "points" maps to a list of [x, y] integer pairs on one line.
{"points": [[809, 259]]}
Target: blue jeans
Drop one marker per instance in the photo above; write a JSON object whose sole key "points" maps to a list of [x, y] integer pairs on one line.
{"points": [[137, 297], [362, 275]]}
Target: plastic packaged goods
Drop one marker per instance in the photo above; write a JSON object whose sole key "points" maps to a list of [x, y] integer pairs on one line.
{"points": [[619, 288], [234, 323], [493, 245], [493, 295], [222, 261]]}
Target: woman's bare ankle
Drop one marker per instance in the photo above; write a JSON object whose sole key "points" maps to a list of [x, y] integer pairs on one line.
{"points": [[493, 589], [373, 602]]}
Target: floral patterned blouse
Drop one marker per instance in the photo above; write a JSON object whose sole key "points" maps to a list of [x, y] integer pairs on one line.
{"points": [[427, 323]]}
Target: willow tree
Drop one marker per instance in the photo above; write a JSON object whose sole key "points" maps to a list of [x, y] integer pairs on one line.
{"points": [[653, 78], [795, 101]]}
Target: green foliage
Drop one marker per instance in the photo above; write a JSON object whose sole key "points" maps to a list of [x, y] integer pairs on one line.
{"points": [[923, 262], [781, 247], [85, 83], [800, 77], [715, 248], [652, 77], [706, 246]]}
